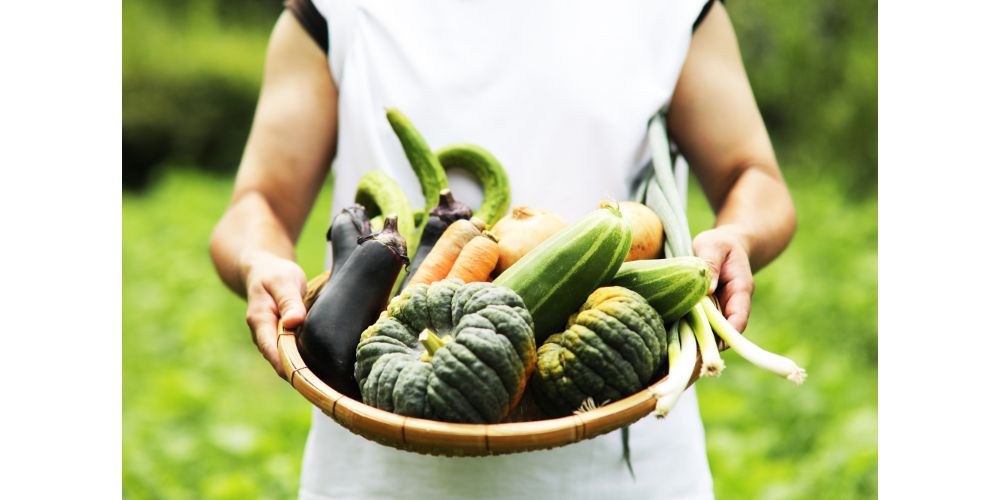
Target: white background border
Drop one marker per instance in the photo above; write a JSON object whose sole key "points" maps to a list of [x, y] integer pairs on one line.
{"points": [[60, 257], [939, 266]]}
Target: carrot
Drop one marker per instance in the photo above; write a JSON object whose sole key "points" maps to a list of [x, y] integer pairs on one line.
{"points": [[442, 256], [477, 259]]}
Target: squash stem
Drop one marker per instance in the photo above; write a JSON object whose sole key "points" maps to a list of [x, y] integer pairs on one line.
{"points": [[774, 363], [612, 206], [683, 355], [431, 343], [711, 362]]}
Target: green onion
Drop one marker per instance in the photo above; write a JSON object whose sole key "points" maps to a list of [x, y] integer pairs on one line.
{"points": [[711, 362], [769, 361], [682, 353]]}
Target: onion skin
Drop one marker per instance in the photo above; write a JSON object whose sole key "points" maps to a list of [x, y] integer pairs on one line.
{"points": [[647, 231], [522, 230]]}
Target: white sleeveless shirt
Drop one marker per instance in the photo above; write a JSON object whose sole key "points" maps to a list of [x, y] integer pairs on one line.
{"points": [[561, 93]]}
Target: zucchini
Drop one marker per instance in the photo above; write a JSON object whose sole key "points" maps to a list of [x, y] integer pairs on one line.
{"points": [[556, 277], [672, 286], [351, 301], [487, 170]]}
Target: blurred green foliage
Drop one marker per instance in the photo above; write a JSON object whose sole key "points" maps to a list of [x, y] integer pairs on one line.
{"points": [[204, 416], [192, 71]]}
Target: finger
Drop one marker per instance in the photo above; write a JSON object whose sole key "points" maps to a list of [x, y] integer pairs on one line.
{"points": [[287, 294], [737, 309], [737, 290], [263, 322], [715, 252]]}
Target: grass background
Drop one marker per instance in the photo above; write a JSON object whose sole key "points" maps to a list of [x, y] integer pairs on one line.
{"points": [[204, 416]]}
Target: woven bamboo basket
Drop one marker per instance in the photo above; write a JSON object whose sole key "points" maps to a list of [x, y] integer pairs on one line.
{"points": [[450, 439]]}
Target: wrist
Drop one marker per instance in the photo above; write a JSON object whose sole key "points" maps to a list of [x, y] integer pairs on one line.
{"points": [[250, 261]]}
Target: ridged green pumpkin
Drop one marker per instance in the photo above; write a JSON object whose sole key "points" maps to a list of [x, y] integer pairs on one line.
{"points": [[448, 351], [611, 348], [555, 277], [672, 286]]}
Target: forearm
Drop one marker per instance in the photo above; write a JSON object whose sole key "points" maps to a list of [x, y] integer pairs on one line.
{"points": [[758, 209], [249, 228]]}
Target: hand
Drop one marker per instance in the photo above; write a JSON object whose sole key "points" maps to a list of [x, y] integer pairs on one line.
{"points": [[732, 278], [275, 287]]}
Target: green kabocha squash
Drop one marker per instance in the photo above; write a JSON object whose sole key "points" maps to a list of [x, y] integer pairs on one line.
{"points": [[448, 351], [612, 348]]}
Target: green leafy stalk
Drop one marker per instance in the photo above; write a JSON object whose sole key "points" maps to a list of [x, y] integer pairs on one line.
{"points": [[677, 241], [664, 179]]}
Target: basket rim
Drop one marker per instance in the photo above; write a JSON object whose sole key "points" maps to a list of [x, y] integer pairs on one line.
{"points": [[458, 439]]}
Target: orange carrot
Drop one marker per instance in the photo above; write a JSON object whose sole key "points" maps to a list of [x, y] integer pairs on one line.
{"points": [[477, 259], [442, 256]]}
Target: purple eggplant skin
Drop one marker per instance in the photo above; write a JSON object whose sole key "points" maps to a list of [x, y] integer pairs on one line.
{"points": [[350, 302], [447, 211], [346, 228]]}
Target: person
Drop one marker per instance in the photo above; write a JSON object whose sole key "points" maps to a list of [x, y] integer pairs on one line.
{"points": [[562, 94]]}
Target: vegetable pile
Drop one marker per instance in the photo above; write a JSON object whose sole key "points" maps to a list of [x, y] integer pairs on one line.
{"points": [[452, 313]]}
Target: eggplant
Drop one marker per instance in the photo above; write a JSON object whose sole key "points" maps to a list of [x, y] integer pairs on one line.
{"points": [[346, 228], [448, 210], [350, 302]]}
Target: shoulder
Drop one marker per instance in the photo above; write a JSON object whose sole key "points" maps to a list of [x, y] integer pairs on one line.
{"points": [[312, 20]]}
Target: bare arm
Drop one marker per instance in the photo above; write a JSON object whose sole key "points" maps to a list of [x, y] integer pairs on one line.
{"points": [[291, 144], [719, 130]]}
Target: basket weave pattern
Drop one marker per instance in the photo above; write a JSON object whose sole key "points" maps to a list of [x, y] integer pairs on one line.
{"points": [[451, 439]]}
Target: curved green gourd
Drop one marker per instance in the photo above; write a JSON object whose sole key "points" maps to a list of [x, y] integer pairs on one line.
{"points": [[612, 348], [487, 170], [448, 351], [423, 161], [556, 277], [381, 196], [672, 286]]}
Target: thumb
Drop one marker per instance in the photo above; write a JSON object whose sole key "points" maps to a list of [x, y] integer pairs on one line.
{"points": [[715, 253], [287, 295]]}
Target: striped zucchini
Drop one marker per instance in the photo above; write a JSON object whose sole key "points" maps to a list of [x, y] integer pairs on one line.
{"points": [[612, 348], [556, 277], [672, 286], [487, 170]]}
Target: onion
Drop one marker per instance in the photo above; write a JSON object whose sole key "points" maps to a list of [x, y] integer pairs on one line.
{"points": [[522, 230], [647, 231]]}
